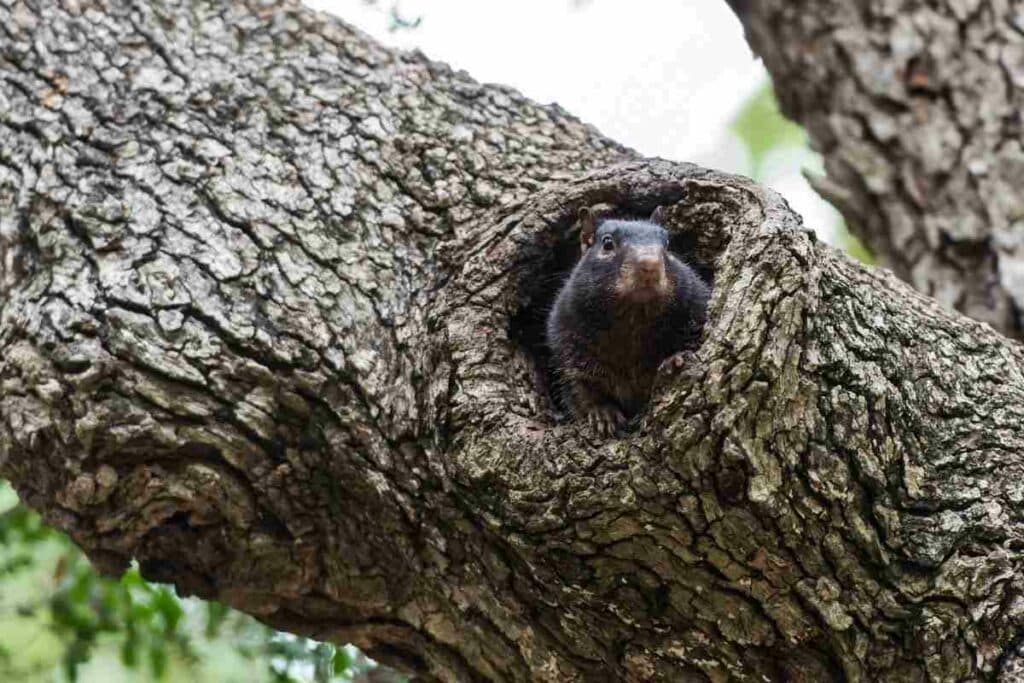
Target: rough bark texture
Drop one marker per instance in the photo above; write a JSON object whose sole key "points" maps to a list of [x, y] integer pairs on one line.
{"points": [[269, 323], [917, 109]]}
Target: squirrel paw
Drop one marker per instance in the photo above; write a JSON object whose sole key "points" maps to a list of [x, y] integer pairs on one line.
{"points": [[676, 362], [606, 419]]}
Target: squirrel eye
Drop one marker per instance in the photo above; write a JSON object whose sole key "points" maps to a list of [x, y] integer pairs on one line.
{"points": [[608, 243]]}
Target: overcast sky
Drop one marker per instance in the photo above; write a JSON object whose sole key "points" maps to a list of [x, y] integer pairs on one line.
{"points": [[663, 77]]}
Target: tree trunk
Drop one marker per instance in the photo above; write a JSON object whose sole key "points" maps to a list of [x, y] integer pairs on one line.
{"points": [[917, 109], [271, 301]]}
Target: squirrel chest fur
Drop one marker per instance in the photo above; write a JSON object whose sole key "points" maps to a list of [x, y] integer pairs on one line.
{"points": [[629, 306]]}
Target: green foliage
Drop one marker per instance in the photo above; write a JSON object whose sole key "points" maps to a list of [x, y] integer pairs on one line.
{"points": [[854, 247], [766, 133], [763, 129], [58, 617]]}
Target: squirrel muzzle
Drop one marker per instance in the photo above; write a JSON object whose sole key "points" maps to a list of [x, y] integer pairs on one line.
{"points": [[642, 274]]}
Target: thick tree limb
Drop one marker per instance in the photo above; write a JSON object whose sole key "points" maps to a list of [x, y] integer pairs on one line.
{"points": [[916, 108], [269, 325]]}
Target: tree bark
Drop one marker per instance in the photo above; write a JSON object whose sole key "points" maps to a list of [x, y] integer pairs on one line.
{"points": [[270, 319], [917, 109]]}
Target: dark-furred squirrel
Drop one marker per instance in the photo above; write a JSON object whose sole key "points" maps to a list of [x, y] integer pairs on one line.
{"points": [[629, 307]]}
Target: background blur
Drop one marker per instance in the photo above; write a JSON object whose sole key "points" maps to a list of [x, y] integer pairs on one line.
{"points": [[670, 79]]}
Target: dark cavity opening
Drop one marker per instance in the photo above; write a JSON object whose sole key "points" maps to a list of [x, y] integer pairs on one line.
{"points": [[548, 260]]}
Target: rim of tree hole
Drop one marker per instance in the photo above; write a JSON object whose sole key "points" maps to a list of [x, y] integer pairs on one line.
{"points": [[500, 293]]}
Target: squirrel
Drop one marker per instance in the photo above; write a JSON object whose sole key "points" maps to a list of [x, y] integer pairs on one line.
{"points": [[629, 309]]}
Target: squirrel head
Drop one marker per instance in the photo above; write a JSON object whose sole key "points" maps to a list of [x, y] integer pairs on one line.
{"points": [[625, 259]]}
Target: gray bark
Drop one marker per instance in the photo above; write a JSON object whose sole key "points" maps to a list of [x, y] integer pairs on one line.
{"points": [[269, 324], [917, 109]]}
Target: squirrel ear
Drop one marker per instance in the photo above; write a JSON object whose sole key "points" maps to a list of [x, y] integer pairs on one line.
{"points": [[588, 225], [658, 216]]}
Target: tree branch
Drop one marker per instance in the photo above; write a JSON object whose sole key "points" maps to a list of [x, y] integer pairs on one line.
{"points": [[916, 108], [271, 326]]}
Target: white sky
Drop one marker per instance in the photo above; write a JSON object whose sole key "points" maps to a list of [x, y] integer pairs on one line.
{"points": [[665, 77]]}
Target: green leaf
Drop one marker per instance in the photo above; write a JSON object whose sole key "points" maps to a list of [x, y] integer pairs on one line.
{"points": [[342, 661], [130, 648], [158, 659], [853, 246], [168, 607], [216, 615], [762, 128]]}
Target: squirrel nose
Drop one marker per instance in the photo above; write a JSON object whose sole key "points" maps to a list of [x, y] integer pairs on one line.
{"points": [[649, 265]]}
